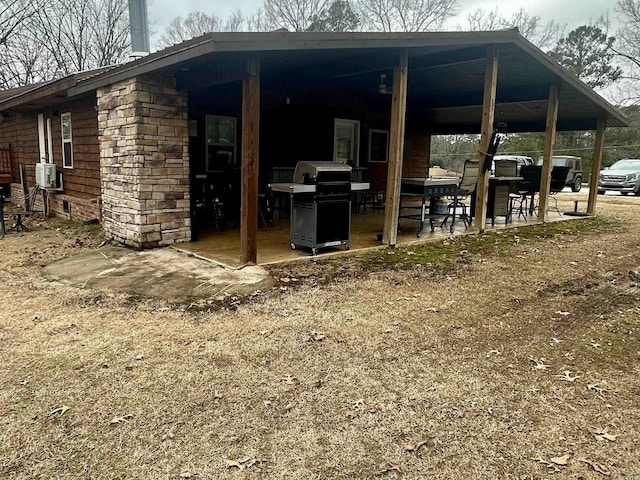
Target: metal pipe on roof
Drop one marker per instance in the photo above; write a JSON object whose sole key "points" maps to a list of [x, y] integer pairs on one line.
{"points": [[139, 26]]}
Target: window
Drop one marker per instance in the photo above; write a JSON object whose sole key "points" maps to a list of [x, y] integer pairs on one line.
{"points": [[221, 142], [378, 146], [67, 145], [346, 147]]}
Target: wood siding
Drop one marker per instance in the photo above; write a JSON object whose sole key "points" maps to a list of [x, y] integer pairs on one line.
{"points": [[20, 130]]}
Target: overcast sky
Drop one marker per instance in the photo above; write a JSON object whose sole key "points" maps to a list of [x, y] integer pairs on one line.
{"points": [[571, 12]]}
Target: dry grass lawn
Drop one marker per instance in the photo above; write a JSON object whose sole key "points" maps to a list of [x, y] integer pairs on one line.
{"points": [[480, 358]]}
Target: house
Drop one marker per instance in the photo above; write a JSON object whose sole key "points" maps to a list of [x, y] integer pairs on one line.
{"points": [[140, 145]]}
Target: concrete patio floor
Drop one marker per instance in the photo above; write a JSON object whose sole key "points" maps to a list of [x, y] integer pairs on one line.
{"points": [[274, 243]]}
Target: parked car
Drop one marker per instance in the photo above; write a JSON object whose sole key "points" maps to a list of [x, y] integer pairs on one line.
{"points": [[574, 177], [519, 159], [623, 176]]}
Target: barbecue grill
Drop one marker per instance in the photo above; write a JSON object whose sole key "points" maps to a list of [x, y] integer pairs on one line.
{"points": [[321, 207]]}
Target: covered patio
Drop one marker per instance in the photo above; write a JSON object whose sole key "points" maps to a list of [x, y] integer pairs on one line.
{"points": [[323, 96], [273, 243]]}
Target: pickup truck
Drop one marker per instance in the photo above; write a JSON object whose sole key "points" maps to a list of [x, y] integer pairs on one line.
{"points": [[623, 176]]}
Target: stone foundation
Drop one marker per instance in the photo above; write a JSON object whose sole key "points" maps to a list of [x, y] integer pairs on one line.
{"points": [[144, 162]]}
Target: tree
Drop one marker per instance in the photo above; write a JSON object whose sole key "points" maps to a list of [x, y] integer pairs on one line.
{"points": [[194, 25], [296, 15], [199, 23], [529, 26], [587, 53], [628, 46], [13, 13], [18, 54], [338, 17], [450, 151], [62, 37], [84, 34], [406, 15], [24, 61]]}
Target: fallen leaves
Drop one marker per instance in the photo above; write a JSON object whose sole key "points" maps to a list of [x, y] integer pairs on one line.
{"points": [[389, 467], [315, 336], [246, 462], [596, 466], [122, 419], [566, 376], [549, 465], [539, 363], [290, 380], [602, 434], [59, 411], [416, 447], [595, 388], [563, 460]]}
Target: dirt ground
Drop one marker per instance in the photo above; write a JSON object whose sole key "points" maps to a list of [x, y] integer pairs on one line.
{"points": [[510, 355]]}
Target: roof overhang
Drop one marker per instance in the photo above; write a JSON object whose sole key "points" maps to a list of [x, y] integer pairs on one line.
{"points": [[50, 92], [578, 102]]}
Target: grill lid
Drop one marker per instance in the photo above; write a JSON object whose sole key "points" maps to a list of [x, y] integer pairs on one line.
{"points": [[314, 172]]}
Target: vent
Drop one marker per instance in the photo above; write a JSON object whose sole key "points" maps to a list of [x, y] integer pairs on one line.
{"points": [[139, 28]]}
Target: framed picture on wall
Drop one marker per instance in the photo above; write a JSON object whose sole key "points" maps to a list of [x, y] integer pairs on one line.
{"points": [[378, 146]]}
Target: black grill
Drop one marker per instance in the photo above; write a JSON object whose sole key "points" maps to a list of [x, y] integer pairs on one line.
{"points": [[321, 218]]}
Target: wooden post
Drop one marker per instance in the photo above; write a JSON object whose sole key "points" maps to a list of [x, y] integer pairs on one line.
{"points": [[549, 143], [396, 150], [488, 114], [250, 148], [596, 166]]}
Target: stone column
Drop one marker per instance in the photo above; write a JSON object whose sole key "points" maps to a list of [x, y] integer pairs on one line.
{"points": [[144, 162]]}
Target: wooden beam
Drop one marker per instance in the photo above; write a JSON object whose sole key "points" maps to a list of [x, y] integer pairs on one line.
{"points": [[488, 114], [549, 144], [250, 149], [396, 149], [596, 166]]}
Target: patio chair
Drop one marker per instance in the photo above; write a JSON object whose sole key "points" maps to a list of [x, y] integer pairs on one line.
{"points": [[517, 194], [372, 199], [466, 187], [26, 207], [558, 182], [530, 184]]}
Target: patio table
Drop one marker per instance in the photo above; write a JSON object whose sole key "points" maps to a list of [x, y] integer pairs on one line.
{"points": [[433, 189]]}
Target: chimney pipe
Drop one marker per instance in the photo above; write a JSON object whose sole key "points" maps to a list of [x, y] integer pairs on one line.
{"points": [[139, 28]]}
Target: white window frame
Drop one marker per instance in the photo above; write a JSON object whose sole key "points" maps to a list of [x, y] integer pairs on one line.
{"points": [[65, 163], [49, 142], [343, 122], [41, 139]]}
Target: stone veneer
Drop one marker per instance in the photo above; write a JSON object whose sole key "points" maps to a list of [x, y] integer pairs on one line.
{"points": [[144, 162]]}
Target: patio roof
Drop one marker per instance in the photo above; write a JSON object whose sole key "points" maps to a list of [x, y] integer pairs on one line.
{"points": [[446, 72], [45, 93]]}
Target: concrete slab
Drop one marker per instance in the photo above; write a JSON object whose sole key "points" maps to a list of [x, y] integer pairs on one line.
{"points": [[161, 273]]}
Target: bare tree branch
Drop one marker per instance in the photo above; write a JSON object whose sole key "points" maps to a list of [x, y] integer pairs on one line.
{"points": [[406, 15]]}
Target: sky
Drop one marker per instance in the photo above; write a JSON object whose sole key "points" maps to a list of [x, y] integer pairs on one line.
{"points": [[570, 12]]}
